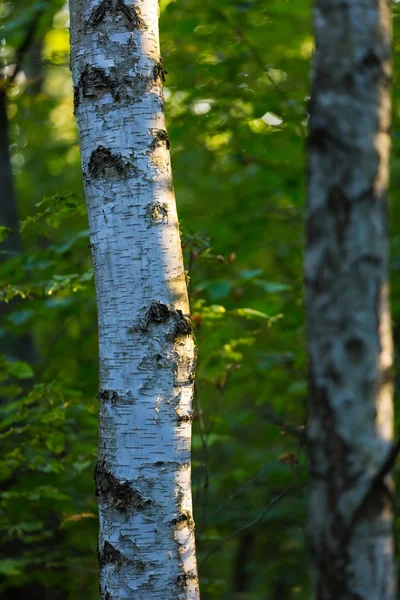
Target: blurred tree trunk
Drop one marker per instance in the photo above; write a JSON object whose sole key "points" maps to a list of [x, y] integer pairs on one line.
{"points": [[8, 204], [349, 330], [147, 354], [15, 347], [243, 560], [33, 68]]}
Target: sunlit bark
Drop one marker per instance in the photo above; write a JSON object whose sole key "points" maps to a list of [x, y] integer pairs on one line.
{"points": [[147, 354]]}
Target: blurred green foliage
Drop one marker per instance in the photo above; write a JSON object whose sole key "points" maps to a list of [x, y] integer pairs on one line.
{"points": [[236, 102]]}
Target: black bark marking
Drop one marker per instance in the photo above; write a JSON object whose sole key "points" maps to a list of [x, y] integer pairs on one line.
{"points": [[138, 565], [340, 207], [373, 66], [110, 396], [184, 518], [183, 580], [160, 136], [318, 135], [184, 418], [321, 138], [103, 164], [120, 495], [183, 324], [159, 72], [156, 213], [94, 83], [116, 8], [370, 260], [356, 350], [370, 60], [158, 312], [316, 225], [332, 373], [110, 554]]}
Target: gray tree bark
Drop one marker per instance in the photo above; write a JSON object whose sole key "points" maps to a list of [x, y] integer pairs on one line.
{"points": [[147, 354], [349, 330]]}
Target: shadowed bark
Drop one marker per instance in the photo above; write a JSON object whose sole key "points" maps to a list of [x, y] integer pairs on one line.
{"points": [[15, 347], [350, 528]]}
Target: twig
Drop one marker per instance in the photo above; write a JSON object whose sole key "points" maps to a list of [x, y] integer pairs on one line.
{"points": [[375, 482], [259, 60], [203, 438], [237, 492], [248, 525], [23, 48], [221, 390], [389, 462], [299, 432]]}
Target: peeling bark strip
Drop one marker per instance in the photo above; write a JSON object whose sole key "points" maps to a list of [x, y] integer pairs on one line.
{"points": [[350, 528], [146, 347]]}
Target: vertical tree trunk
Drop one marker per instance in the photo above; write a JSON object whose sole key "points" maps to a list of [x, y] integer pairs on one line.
{"points": [[14, 347], [349, 331], [8, 204], [147, 354]]}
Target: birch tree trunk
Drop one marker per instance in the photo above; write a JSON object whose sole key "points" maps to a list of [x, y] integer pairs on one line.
{"points": [[349, 332], [147, 354]]}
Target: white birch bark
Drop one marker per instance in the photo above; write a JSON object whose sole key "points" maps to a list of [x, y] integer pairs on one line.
{"points": [[349, 332], [147, 354]]}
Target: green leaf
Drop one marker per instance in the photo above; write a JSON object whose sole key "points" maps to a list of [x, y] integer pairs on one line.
{"points": [[11, 567], [217, 288], [272, 287], [21, 317], [5, 232], [20, 370], [251, 273], [250, 313]]}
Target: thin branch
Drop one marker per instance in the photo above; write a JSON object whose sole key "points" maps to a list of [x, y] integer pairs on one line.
{"points": [[203, 439], [256, 54], [221, 390], [237, 492], [23, 48], [299, 432], [255, 521], [389, 463], [374, 484]]}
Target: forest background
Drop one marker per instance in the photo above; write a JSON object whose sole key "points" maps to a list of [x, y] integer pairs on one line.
{"points": [[237, 89]]}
